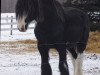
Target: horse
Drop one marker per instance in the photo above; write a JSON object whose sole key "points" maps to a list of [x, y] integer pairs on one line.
{"points": [[63, 28]]}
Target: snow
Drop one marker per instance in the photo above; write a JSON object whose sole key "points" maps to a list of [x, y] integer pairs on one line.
{"points": [[16, 37], [19, 64], [16, 34], [29, 63]]}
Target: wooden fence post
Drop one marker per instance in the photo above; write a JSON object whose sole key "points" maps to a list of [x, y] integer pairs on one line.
{"points": [[7, 18], [11, 25]]}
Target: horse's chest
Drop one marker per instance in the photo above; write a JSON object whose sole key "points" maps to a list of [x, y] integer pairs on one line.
{"points": [[49, 32]]}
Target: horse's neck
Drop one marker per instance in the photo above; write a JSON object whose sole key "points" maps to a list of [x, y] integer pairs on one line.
{"points": [[40, 11], [47, 10]]}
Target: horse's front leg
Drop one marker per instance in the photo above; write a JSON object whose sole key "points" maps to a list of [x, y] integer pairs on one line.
{"points": [[63, 66], [45, 66]]}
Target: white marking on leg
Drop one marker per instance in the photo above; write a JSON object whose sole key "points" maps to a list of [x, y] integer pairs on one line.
{"points": [[66, 67], [21, 22], [78, 65], [73, 61]]}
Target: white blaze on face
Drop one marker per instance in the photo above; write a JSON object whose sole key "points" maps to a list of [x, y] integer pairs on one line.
{"points": [[21, 23]]}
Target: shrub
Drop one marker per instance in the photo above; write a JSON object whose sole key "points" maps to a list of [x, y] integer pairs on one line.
{"points": [[95, 26]]}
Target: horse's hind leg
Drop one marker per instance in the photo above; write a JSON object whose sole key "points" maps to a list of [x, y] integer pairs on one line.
{"points": [[45, 66], [63, 67], [77, 55], [79, 60]]}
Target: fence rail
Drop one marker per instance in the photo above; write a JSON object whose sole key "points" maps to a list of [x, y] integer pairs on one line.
{"points": [[7, 18], [6, 29], [11, 23]]}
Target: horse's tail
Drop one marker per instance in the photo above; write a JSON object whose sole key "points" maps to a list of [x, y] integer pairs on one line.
{"points": [[86, 29]]}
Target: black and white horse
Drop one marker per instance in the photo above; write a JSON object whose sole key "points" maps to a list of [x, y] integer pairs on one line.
{"points": [[59, 27]]}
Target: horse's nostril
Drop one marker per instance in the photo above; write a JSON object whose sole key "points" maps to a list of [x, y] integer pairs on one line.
{"points": [[22, 29]]}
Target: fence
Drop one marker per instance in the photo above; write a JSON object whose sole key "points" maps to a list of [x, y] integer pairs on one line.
{"points": [[11, 23]]}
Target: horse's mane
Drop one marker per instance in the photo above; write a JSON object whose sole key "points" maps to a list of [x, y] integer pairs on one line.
{"points": [[40, 11], [23, 7], [57, 9], [61, 1]]}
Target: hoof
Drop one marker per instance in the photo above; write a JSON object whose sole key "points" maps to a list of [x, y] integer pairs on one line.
{"points": [[63, 67], [46, 69]]}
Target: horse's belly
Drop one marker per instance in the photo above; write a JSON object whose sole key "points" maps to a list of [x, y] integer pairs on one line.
{"points": [[74, 35]]}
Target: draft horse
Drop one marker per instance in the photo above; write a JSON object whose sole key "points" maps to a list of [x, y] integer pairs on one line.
{"points": [[59, 27]]}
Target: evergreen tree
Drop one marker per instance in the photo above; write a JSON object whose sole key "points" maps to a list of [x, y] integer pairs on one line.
{"points": [[91, 7]]}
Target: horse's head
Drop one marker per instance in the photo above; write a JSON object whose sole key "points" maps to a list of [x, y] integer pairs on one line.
{"points": [[25, 13]]}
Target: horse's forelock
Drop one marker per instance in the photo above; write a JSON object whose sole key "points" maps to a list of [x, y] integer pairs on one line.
{"points": [[23, 7]]}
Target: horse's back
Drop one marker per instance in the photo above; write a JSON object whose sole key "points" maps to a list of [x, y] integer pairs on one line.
{"points": [[75, 17], [76, 25]]}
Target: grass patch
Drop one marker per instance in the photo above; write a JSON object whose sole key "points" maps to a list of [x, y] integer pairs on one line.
{"points": [[20, 42], [93, 43], [18, 47]]}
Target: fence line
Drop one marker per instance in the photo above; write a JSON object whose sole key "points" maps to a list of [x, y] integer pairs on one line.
{"points": [[7, 18], [6, 29], [11, 23], [8, 23]]}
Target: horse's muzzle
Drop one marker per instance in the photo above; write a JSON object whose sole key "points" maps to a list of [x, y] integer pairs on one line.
{"points": [[22, 29]]}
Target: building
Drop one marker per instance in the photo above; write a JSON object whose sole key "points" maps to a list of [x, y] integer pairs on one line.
{"points": [[8, 6]]}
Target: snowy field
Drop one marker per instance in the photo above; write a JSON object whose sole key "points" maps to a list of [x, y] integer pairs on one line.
{"points": [[29, 64], [20, 62]]}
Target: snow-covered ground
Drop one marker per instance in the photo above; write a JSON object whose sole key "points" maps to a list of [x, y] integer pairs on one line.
{"points": [[28, 63]]}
